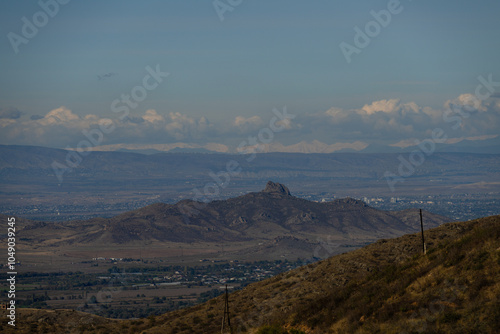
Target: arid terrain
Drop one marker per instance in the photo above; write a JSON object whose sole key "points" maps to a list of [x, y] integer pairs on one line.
{"points": [[167, 256], [452, 288], [268, 225]]}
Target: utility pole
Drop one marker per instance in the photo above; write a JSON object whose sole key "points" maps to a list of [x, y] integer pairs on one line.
{"points": [[422, 229], [226, 314]]}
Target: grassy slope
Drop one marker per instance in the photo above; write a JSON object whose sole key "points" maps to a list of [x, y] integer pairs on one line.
{"points": [[386, 287]]}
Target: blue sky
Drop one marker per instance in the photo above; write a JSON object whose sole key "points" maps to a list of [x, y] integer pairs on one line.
{"points": [[264, 54]]}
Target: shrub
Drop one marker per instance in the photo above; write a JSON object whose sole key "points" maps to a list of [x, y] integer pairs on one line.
{"points": [[450, 317], [275, 329], [296, 331]]}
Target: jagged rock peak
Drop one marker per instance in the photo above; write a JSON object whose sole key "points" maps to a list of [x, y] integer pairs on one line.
{"points": [[272, 187]]}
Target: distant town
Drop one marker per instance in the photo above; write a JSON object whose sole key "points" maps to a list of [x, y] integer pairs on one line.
{"points": [[140, 288]]}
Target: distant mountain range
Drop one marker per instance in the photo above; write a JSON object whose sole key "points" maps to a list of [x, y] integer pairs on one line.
{"points": [[159, 148], [465, 145], [113, 182]]}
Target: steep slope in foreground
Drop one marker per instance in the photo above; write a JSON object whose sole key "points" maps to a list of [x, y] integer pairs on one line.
{"points": [[386, 287]]}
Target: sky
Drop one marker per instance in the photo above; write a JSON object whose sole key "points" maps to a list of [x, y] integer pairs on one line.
{"points": [[351, 73]]}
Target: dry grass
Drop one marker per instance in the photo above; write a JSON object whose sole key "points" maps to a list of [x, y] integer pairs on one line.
{"points": [[386, 287]]}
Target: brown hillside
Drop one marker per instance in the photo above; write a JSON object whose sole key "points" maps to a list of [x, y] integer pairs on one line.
{"points": [[386, 287], [263, 215]]}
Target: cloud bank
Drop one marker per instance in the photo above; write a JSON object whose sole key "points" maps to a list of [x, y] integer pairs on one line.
{"points": [[387, 121]]}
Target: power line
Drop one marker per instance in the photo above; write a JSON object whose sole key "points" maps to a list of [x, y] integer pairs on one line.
{"points": [[422, 228], [226, 314]]}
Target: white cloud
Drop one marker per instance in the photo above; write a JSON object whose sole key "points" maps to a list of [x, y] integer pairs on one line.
{"points": [[285, 124], [382, 121], [393, 121], [91, 118], [61, 115], [390, 107], [333, 112], [182, 127], [179, 122], [203, 124], [386, 106], [467, 102], [152, 116], [241, 121], [496, 105]]}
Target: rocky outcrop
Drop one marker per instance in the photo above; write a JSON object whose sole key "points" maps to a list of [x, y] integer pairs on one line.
{"points": [[273, 187]]}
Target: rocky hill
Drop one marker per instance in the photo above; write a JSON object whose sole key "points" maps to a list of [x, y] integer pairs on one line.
{"points": [[265, 215]]}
